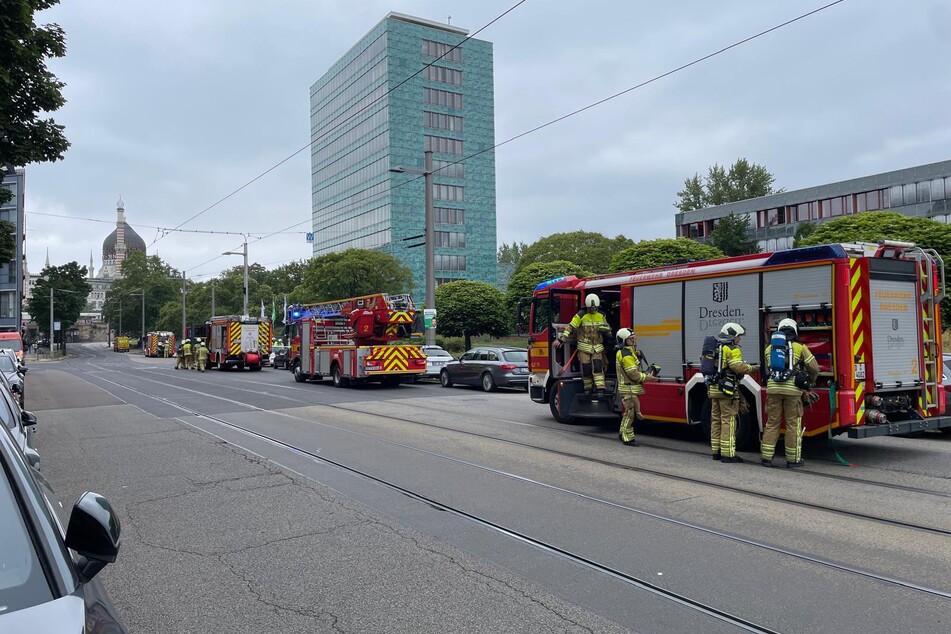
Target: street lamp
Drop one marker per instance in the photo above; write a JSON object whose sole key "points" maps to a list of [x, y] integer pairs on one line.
{"points": [[429, 236], [244, 252]]}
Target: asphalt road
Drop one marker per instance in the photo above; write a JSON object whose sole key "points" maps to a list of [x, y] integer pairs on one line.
{"points": [[228, 531]]}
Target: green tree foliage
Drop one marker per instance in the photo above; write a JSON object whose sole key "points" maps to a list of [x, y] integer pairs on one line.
{"points": [[70, 291], [524, 282], [732, 237], [467, 309], [742, 181], [511, 253], [591, 251], [877, 225], [28, 88], [652, 253], [8, 239], [160, 283], [352, 273], [803, 231]]}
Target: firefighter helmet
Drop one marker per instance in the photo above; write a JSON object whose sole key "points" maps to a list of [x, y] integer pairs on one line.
{"points": [[789, 324], [731, 331], [592, 301], [622, 335]]}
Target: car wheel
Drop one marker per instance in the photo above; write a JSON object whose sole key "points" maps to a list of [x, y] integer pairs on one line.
{"points": [[488, 383], [444, 379]]}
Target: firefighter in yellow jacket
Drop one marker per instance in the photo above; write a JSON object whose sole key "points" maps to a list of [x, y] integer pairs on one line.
{"points": [[591, 326], [630, 378], [202, 355], [784, 398], [725, 394], [189, 357]]}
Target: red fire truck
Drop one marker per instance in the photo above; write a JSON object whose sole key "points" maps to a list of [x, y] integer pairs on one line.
{"points": [[868, 312], [355, 340], [236, 341], [160, 343]]}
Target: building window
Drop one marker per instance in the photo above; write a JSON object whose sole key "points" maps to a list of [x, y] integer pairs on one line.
{"points": [[454, 193], [694, 230], [451, 239], [837, 206], [8, 305], [444, 75], [937, 189], [439, 121], [449, 216], [874, 200], [444, 51], [443, 145], [909, 194], [450, 169], [450, 262], [442, 98], [924, 192]]}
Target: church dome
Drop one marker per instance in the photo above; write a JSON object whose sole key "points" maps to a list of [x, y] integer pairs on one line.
{"points": [[133, 242]]}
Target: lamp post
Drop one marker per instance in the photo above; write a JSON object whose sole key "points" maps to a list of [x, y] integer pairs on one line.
{"points": [[142, 337], [243, 252], [429, 234]]}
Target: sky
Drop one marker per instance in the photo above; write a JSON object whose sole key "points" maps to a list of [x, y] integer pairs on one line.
{"points": [[174, 105]]}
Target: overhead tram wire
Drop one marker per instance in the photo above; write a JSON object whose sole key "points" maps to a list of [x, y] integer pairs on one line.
{"points": [[164, 229], [348, 119], [575, 112]]}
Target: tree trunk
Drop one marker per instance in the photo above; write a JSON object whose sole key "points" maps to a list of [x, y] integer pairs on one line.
{"points": [[468, 341]]}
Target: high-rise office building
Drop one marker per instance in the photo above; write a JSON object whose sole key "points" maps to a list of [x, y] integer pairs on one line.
{"points": [[402, 90], [12, 272]]}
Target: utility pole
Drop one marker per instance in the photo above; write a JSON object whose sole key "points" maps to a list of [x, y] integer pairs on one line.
{"points": [[51, 322], [212, 298], [183, 305], [243, 252], [430, 245]]}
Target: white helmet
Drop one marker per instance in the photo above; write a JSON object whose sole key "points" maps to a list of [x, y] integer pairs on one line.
{"points": [[789, 323], [592, 301], [623, 334], [731, 331]]}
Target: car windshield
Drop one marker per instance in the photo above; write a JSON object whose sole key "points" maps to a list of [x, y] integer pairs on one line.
{"points": [[6, 364], [518, 356], [22, 581], [436, 352], [10, 344]]}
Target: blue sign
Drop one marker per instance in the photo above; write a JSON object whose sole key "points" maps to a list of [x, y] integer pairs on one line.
{"points": [[310, 237]]}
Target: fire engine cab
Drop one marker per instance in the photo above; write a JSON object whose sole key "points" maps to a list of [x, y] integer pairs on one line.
{"points": [[355, 340], [236, 341], [868, 312]]}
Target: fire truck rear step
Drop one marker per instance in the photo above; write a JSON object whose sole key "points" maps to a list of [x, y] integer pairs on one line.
{"points": [[901, 427]]}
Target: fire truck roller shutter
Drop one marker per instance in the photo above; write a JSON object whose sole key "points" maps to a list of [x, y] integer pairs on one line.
{"points": [[896, 330], [710, 303], [802, 287], [657, 322]]}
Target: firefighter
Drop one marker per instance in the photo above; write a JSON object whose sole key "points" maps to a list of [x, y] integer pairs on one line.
{"points": [[180, 359], [630, 379], [725, 394], [187, 351], [202, 355], [591, 326], [784, 399]]}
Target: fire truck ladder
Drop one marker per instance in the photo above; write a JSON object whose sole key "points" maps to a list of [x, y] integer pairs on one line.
{"points": [[926, 260]]}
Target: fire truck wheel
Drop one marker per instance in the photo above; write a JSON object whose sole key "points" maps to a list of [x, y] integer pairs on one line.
{"points": [[444, 379], [299, 375], [553, 404], [488, 383], [337, 377]]}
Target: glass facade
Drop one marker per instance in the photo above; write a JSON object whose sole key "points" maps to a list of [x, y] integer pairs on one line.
{"points": [[380, 107], [11, 273]]}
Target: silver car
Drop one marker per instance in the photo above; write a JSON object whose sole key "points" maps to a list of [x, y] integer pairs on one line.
{"points": [[488, 368], [436, 359]]}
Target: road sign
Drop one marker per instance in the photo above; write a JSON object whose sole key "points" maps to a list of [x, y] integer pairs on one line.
{"points": [[310, 237], [56, 326]]}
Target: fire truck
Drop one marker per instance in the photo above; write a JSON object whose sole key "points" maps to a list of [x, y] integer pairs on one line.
{"points": [[868, 312], [236, 341], [355, 340], [160, 344]]}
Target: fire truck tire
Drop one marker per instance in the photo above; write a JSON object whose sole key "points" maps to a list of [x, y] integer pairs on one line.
{"points": [[337, 377], [488, 383], [744, 427], [299, 376], [553, 403], [444, 379]]}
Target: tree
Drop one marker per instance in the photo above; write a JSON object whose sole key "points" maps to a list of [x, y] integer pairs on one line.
{"points": [[743, 180], [591, 251], [70, 291], [467, 308], [876, 225], [142, 273], [28, 88], [731, 236], [352, 273], [652, 253], [524, 282], [511, 253], [803, 231], [8, 239]]}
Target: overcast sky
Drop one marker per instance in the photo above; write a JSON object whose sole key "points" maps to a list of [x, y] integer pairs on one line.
{"points": [[175, 104]]}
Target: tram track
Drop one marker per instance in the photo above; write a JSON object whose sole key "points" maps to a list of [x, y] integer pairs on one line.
{"points": [[512, 533]]}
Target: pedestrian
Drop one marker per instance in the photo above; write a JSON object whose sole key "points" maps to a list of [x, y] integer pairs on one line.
{"points": [[180, 359], [591, 326], [630, 379], [189, 357], [784, 393], [725, 393], [202, 356]]}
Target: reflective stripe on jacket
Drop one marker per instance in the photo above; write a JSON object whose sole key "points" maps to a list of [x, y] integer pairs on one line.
{"points": [[590, 327], [629, 373], [731, 363]]}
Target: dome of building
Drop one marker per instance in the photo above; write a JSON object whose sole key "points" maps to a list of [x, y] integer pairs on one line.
{"points": [[133, 242]]}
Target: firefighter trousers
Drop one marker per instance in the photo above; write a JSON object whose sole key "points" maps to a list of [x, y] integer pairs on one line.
{"points": [[723, 413], [778, 408], [189, 362], [201, 363], [592, 370], [632, 411], [179, 362]]}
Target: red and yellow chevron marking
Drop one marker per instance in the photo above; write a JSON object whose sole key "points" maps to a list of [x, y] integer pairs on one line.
{"points": [[395, 358], [925, 398], [394, 319], [264, 337], [234, 338], [859, 324]]}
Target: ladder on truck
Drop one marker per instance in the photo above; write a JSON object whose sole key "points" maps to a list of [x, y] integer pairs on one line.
{"points": [[927, 262]]}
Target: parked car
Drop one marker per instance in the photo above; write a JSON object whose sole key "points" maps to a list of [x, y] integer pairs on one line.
{"points": [[18, 423], [490, 368], [44, 587], [436, 359], [278, 357], [13, 371], [12, 341]]}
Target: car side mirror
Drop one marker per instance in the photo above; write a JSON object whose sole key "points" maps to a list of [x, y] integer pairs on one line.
{"points": [[32, 458], [27, 418], [93, 533], [22, 369]]}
